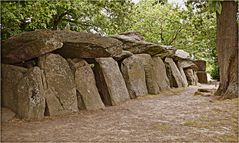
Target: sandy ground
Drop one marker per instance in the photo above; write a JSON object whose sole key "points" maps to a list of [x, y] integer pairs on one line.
{"points": [[175, 116]]}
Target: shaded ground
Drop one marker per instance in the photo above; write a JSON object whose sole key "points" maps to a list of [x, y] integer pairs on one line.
{"points": [[174, 116]]}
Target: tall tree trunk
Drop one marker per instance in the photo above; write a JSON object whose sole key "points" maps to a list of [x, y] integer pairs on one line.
{"points": [[227, 49]]}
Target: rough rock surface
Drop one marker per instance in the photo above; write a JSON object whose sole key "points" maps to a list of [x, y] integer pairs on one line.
{"points": [[110, 82], [181, 54], [87, 45], [87, 91], [30, 94], [170, 52], [190, 76], [184, 78], [28, 45], [60, 86], [202, 77], [161, 75], [175, 72], [7, 114], [150, 74], [201, 64], [170, 76], [134, 76], [187, 64], [134, 34], [123, 55], [11, 75], [139, 47]]}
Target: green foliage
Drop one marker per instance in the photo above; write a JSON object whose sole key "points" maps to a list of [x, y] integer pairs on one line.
{"points": [[102, 16], [192, 29]]}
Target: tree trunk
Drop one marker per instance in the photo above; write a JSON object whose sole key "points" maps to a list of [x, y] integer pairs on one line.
{"points": [[227, 49]]}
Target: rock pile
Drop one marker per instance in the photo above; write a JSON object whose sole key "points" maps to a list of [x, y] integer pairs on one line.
{"points": [[48, 73]]}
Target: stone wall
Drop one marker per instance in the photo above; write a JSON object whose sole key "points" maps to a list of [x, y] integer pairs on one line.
{"points": [[50, 73]]}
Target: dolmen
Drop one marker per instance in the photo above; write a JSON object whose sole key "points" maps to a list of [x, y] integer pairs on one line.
{"points": [[52, 73]]}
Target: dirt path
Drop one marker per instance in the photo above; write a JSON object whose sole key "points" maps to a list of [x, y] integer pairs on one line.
{"points": [[162, 118]]}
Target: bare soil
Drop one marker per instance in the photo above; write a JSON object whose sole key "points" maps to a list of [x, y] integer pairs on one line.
{"points": [[172, 116]]}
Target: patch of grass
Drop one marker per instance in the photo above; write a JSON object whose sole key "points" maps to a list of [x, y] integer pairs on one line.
{"points": [[162, 126], [229, 138]]}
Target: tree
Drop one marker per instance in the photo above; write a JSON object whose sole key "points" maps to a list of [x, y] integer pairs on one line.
{"points": [[101, 16], [192, 29], [227, 49]]}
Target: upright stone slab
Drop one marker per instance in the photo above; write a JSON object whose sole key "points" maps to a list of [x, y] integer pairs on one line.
{"points": [[175, 72], [192, 80], [60, 85], [110, 82], [161, 75], [11, 75], [202, 77], [170, 76], [134, 76], [150, 74], [201, 64], [87, 91], [184, 79], [30, 94]]}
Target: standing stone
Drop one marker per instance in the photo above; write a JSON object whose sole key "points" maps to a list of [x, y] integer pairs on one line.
{"points": [[190, 76], [150, 74], [169, 73], [161, 75], [110, 82], [175, 72], [11, 75], [30, 93], [195, 77], [201, 64], [202, 77], [87, 92], [134, 76], [60, 85], [28, 45], [184, 78]]}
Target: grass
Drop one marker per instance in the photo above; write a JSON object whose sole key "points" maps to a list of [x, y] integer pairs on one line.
{"points": [[162, 126]]}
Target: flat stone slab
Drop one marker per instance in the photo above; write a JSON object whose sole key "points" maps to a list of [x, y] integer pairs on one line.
{"points": [[87, 45], [142, 47], [28, 45]]}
